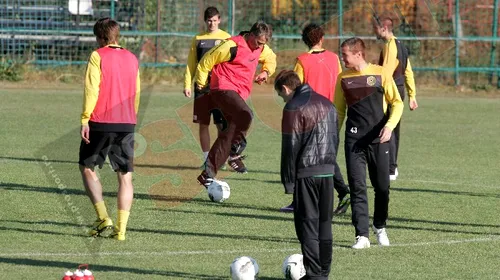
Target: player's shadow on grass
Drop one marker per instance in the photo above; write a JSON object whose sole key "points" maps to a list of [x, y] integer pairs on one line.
{"points": [[39, 231], [416, 228], [443, 223], [153, 166], [206, 202], [81, 192], [493, 195], [238, 215], [99, 269], [254, 179], [39, 160], [214, 235], [289, 216]]}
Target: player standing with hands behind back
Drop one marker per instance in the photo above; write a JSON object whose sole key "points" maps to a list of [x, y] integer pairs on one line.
{"points": [[201, 44], [365, 91], [394, 58], [110, 105]]}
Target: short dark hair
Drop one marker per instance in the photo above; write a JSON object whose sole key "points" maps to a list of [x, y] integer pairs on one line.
{"points": [[107, 29], [210, 12], [312, 34], [384, 21], [287, 78], [261, 28], [354, 44]]}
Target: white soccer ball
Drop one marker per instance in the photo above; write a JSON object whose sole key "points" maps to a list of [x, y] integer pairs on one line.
{"points": [[218, 191], [293, 267], [244, 268]]}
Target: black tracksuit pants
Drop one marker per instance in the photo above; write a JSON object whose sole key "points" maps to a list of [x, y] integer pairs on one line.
{"points": [[338, 181], [376, 156], [339, 184], [313, 210], [394, 142]]}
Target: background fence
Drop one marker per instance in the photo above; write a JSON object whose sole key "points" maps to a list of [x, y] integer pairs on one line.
{"points": [[454, 40]]}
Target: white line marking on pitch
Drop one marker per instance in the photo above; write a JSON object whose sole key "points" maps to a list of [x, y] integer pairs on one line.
{"points": [[215, 252]]}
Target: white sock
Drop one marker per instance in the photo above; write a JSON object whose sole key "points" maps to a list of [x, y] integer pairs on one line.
{"points": [[205, 156]]}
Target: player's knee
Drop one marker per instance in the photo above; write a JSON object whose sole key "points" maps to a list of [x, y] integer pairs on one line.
{"points": [[382, 191], [86, 170], [245, 118]]}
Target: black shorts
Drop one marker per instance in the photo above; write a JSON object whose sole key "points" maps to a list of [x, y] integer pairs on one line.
{"points": [[119, 146], [202, 108]]}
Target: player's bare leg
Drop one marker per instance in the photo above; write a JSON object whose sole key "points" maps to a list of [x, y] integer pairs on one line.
{"points": [[94, 191], [204, 134], [125, 198]]}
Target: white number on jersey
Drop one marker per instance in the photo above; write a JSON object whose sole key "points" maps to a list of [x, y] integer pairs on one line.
{"points": [[354, 130]]}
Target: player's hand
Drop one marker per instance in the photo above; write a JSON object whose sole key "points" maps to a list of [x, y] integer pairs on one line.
{"points": [[261, 78], [85, 131], [187, 92], [385, 134], [413, 104], [200, 87]]}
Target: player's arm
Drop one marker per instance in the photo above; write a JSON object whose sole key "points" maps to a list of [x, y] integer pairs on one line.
{"points": [[290, 147], [191, 65], [390, 56], [137, 92], [339, 65], [393, 98], [268, 60], [223, 52], [340, 103], [299, 70], [410, 81], [410, 86], [91, 91]]}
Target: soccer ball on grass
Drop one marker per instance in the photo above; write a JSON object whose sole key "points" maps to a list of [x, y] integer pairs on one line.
{"points": [[293, 267], [218, 191], [244, 268]]}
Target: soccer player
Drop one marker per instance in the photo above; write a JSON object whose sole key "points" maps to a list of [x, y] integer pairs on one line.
{"points": [[319, 68], [308, 155], [200, 45], [394, 57], [365, 91], [110, 105], [233, 64]]}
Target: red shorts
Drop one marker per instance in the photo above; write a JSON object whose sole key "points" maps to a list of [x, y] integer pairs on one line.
{"points": [[202, 109]]}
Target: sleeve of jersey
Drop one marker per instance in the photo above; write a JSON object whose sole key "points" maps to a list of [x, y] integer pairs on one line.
{"points": [[137, 92], [92, 82], [340, 71], [394, 99], [218, 54], [268, 60], [390, 56], [290, 147], [410, 81], [340, 103], [191, 65], [299, 70], [340, 66]]}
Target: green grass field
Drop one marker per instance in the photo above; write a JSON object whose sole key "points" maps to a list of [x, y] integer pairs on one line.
{"points": [[444, 221]]}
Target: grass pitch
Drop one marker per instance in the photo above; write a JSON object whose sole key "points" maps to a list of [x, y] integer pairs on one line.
{"points": [[443, 224]]}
